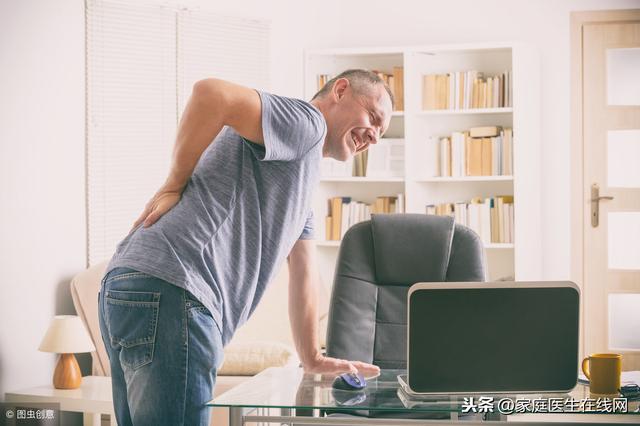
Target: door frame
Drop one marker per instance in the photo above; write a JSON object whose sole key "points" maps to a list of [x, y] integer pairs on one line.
{"points": [[579, 194]]}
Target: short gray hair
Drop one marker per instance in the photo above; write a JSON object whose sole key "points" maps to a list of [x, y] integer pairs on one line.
{"points": [[360, 80]]}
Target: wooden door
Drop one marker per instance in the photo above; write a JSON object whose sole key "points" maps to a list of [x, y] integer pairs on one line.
{"points": [[611, 170]]}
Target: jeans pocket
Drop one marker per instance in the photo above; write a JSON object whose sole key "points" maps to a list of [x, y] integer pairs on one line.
{"points": [[132, 319]]}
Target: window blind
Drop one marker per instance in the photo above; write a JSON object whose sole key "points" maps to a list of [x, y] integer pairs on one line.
{"points": [[211, 45], [141, 62]]}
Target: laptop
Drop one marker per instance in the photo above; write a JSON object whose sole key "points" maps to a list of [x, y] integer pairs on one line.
{"points": [[492, 337]]}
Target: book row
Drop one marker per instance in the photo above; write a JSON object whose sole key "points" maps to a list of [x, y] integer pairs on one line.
{"points": [[491, 218], [344, 212], [481, 151], [395, 81], [466, 90]]}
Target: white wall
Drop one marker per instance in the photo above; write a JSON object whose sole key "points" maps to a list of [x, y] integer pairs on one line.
{"points": [[42, 222], [542, 23]]}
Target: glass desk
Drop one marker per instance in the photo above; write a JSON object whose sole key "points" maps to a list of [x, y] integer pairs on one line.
{"points": [[286, 395]]}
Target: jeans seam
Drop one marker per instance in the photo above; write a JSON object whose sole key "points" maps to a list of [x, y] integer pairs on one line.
{"points": [[154, 326], [131, 303], [185, 330], [128, 275]]}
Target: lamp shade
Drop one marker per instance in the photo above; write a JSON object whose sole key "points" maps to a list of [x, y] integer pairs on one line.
{"points": [[66, 335]]}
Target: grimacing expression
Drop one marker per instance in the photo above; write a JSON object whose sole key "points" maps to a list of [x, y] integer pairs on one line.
{"points": [[356, 120]]}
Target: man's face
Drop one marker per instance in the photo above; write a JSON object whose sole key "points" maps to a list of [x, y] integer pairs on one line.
{"points": [[354, 120]]}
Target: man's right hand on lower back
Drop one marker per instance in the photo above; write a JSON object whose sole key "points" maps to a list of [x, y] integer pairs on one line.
{"points": [[162, 202]]}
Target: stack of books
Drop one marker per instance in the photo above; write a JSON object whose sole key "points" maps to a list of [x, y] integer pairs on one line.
{"points": [[395, 81], [360, 163], [481, 151], [491, 218], [466, 90], [344, 212]]}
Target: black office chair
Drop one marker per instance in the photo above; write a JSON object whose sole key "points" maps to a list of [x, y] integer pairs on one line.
{"points": [[378, 261]]}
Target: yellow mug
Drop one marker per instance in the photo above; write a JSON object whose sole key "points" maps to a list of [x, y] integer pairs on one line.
{"points": [[603, 372]]}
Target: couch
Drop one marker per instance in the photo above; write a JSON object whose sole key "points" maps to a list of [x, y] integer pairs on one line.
{"points": [[264, 341]]}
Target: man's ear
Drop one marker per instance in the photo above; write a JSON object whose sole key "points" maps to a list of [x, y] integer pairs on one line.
{"points": [[339, 88]]}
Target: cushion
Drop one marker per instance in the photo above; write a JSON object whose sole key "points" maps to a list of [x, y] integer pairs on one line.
{"points": [[249, 358]]}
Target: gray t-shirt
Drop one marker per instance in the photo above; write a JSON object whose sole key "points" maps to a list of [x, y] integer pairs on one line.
{"points": [[240, 214]]}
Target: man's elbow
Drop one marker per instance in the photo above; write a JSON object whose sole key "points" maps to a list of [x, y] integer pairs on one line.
{"points": [[209, 90]]}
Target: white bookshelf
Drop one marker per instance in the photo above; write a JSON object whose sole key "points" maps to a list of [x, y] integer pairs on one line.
{"points": [[420, 184]]}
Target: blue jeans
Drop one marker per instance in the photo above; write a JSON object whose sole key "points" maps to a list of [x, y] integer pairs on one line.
{"points": [[164, 350]]}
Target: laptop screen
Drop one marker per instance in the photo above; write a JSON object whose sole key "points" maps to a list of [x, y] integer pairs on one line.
{"points": [[482, 339]]}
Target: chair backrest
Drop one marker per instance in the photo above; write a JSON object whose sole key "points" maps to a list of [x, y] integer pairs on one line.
{"points": [[84, 292], [378, 261]]}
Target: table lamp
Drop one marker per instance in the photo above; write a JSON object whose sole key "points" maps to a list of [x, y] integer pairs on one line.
{"points": [[67, 335]]}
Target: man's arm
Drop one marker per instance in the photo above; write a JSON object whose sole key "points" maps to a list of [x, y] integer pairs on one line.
{"points": [[303, 314], [213, 104]]}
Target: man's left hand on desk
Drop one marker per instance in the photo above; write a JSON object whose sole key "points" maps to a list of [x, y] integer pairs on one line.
{"points": [[335, 366]]}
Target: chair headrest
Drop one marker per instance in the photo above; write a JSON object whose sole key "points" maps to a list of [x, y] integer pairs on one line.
{"points": [[420, 246]]}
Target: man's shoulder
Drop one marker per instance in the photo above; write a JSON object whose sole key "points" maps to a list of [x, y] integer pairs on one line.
{"points": [[295, 107], [291, 127]]}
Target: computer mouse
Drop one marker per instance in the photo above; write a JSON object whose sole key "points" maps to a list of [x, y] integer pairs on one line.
{"points": [[348, 398], [349, 381]]}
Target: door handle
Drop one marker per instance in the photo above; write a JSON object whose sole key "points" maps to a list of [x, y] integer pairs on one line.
{"points": [[595, 204]]}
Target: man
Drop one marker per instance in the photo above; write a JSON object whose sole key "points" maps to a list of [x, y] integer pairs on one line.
{"points": [[199, 257]]}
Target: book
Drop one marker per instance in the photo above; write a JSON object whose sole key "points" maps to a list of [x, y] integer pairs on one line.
{"points": [[486, 157], [475, 157], [360, 164], [336, 217], [457, 154], [484, 131], [328, 227], [496, 92], [347, 207], [322, 79], [398, 88], [461, 90], [485, 221], [445, 157], [489, 103], [511, 223], [500, 237], [495, 157], [474, 216], [506, 211], [400, 208], [507, 152], [429, 92], [494, 220]]}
